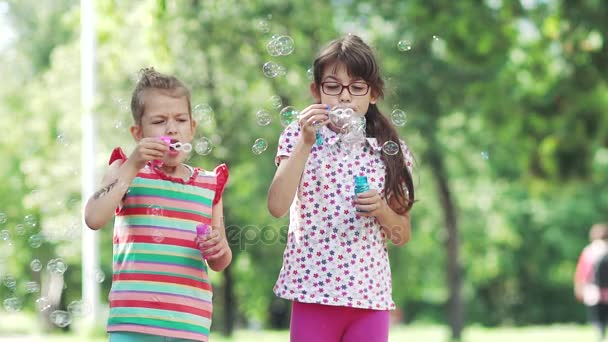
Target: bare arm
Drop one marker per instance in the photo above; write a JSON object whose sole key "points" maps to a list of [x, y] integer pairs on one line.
{"points": [[396, 227], [101, 205], [215, 246], [285, 182]]}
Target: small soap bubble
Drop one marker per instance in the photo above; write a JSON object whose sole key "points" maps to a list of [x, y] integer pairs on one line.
{"points": [[20, 229], [259, 146], [398, 117], [158, 236], [60, 318], [62, 139], [263, 118], [32, 287], [119, 124], [5, 235], [43, 304], [30, 221], [35, 241], [203, 146], [435, 37], [264, 26], [288, 115], [78, 308], [310, 74], [12, 304], [100, 276], [36, 265], [202, 113], [485, 155], [57, 266], [280, 46], [272, 69], [3, 218], [9, 281], [390, 147], [404, 45], [276, 101], [155, 210]]}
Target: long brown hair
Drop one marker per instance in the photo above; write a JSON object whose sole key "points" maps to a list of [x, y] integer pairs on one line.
{"points": [[359, 60], [152, 79]]}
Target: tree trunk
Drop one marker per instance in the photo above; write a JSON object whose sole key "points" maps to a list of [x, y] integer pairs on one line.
{"points": [[229, 302], [454, 277]]}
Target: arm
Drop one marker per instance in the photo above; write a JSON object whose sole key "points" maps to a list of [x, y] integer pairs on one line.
{"points": [[215, 245], [396, 227], [285, 182], [101, 205]]}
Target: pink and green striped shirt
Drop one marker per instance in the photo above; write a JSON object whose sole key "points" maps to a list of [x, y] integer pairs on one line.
{"points": [[160, 284]]}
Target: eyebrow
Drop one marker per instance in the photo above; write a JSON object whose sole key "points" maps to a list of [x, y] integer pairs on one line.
{"points": [[333, 78]]}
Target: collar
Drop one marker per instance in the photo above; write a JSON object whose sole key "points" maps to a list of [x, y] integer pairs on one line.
{"points": [[331, 138]]}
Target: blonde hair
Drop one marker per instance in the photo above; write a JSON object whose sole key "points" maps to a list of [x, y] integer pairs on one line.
{"points": [[152, 79], [598, 231]]}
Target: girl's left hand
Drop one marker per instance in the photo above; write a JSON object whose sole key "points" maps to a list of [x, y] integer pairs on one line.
{"points": [[213, 245], [370, 203]]}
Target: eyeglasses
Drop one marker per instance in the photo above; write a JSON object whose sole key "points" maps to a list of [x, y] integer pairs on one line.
{"points": [[355, 89]]}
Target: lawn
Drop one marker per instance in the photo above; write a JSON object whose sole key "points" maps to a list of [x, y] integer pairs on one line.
{"points": [[555, 333]]}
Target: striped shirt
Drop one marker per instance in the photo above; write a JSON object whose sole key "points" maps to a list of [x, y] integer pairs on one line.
{"points": [[160, 284]]}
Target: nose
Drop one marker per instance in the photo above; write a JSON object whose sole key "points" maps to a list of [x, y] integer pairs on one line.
{"points": [[171, 127], [345, 95]]}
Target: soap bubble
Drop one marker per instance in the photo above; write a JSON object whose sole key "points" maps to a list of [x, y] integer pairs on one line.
{"points": [[12, 304], [60, 318], [280, 46], [263, 118], [390, 147], [276, 101], [272, 69], [398, 117], [259, 146], [36, 265], [35, 240], [158, 236], [288, 115], [43, 304], [485, 155], [32, 287], [202, 113], [57, 266], [203, 146], [404, 45], [3, 218], [264, 26]]}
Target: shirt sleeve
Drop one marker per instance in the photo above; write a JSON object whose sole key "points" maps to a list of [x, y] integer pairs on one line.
{"points": [[407, 156], [287, 141], [117, 154], [221, 174]]}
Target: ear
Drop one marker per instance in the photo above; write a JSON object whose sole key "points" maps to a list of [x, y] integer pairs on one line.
{"points": [[193, 126], [137, 132], [373, 98], [314, 91]]}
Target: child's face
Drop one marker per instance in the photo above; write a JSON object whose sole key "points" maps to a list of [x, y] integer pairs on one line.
{"points": [[335, 75], [166, 115]]}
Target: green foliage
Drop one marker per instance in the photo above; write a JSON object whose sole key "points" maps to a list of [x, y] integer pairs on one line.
{"points": [[510, 98]]}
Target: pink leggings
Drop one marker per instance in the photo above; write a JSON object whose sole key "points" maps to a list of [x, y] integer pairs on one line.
{"points": [[326, 323]]}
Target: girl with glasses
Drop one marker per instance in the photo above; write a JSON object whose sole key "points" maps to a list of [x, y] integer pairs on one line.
{"points": [[335, 268]]}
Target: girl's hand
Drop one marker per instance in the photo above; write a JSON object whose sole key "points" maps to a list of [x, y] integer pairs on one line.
{"points": [[213, 245], [370, 203], [311, 119], [148, 149]]}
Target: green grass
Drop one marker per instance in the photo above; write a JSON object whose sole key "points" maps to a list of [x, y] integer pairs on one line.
{"points": [[20, 325]]}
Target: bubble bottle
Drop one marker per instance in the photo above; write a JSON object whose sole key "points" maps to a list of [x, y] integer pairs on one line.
{"points": [[361, 185], [202, 230]]}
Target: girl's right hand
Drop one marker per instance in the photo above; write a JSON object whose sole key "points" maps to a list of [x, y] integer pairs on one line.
{"points": [[148, 149], [311, 119]]}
